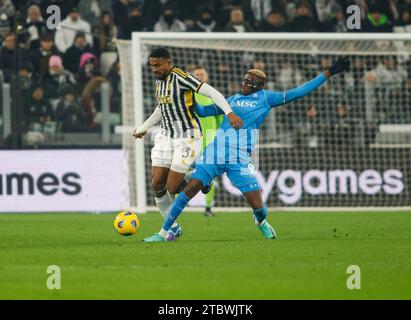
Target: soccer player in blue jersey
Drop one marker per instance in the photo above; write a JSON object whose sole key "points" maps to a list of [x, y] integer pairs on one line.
{"points": [[253, 106]]}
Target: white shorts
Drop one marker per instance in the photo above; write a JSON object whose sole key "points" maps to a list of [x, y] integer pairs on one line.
{"points": [[178, 154]]}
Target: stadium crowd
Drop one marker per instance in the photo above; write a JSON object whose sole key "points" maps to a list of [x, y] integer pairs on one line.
{"points": [[61, 71]]}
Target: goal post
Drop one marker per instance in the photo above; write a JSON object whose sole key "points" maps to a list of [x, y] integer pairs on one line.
{"points": [[328, 151]]}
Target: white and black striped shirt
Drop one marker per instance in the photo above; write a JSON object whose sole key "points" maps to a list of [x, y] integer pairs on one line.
{"points": [[175, 96]]}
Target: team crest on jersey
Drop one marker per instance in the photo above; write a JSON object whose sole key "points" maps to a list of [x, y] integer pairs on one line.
{"points": [[255, 95], [164, 99]]}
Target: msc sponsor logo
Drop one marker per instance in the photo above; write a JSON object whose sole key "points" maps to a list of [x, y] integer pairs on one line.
{"points": [[47, 184], [244, 103], [292, 184]]}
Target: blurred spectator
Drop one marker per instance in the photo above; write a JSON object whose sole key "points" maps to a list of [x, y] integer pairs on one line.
{"points": [[135, 22], [88, 69], [34, 27], [40, 57], [342, 128], [404, 22], [288, 76], [168, 22], [290, 9], [326, 9], [370, 133], [355, 90], [74, 53], [107, 32], [311, 129], [90, 100], [38, 110], [331, 16], [69, 27], [7, 58], [237, 22], [274, 22], [121, 9], [376, 20], [26, 82], [21, 5], [92, 11], [387, 7], [385, 92], [114, 78], [387, 74], [223, 9], [25, 74], [69, 113], [153, 9], [56, 77], [259, 9], [206, 21], [338, 23], [304, 21], [7, 12], [188, 10]]}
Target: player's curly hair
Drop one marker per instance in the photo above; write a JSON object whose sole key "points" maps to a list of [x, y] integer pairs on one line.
{"points": [[258, 73], [160, 53]]}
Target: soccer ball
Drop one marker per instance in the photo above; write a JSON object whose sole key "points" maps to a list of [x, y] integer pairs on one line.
{"points": [[126, 223]]}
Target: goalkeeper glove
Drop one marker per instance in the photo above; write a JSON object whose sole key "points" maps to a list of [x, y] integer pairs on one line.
{"points": [[341, 65]]}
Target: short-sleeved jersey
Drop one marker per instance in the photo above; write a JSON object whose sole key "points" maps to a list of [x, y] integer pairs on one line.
{"points": [[175, 97]]}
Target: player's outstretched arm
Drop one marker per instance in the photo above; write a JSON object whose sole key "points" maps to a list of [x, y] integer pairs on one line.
{"points": [[150, 122], [208, 111], [280, 98], [222, 103]]}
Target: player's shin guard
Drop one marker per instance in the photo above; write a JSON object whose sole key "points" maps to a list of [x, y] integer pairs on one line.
{"points": [[163, 201], [175, 210], [260, 214]]}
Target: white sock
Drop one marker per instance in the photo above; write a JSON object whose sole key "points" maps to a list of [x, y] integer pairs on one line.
{"points": [[163, 233], [163, 203]]}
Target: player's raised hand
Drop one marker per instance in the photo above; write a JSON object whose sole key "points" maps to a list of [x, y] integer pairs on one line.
{"points": [[139, 133], [341, 65], [235, 121]]}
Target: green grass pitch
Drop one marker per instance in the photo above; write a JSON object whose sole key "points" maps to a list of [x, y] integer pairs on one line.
{"points": [[223, 257]]}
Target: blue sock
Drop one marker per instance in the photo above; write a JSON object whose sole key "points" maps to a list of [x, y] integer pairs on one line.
{"points": [[260, 214], [175, 210]]}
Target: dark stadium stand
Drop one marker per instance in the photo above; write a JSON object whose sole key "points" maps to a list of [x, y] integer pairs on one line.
{"points": [[71, 64]]}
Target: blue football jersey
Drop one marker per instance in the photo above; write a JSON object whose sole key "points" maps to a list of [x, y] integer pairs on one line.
{"points": [[239, 144], [235, 146]]}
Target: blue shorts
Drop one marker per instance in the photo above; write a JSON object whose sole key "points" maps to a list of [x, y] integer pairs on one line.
{"points": [[241, 175]]}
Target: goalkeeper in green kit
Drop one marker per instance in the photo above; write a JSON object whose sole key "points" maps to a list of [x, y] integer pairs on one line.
{"points": [[208, 123]]}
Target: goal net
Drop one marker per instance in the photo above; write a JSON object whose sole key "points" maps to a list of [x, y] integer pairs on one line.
{"points": [[348, 144]]}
